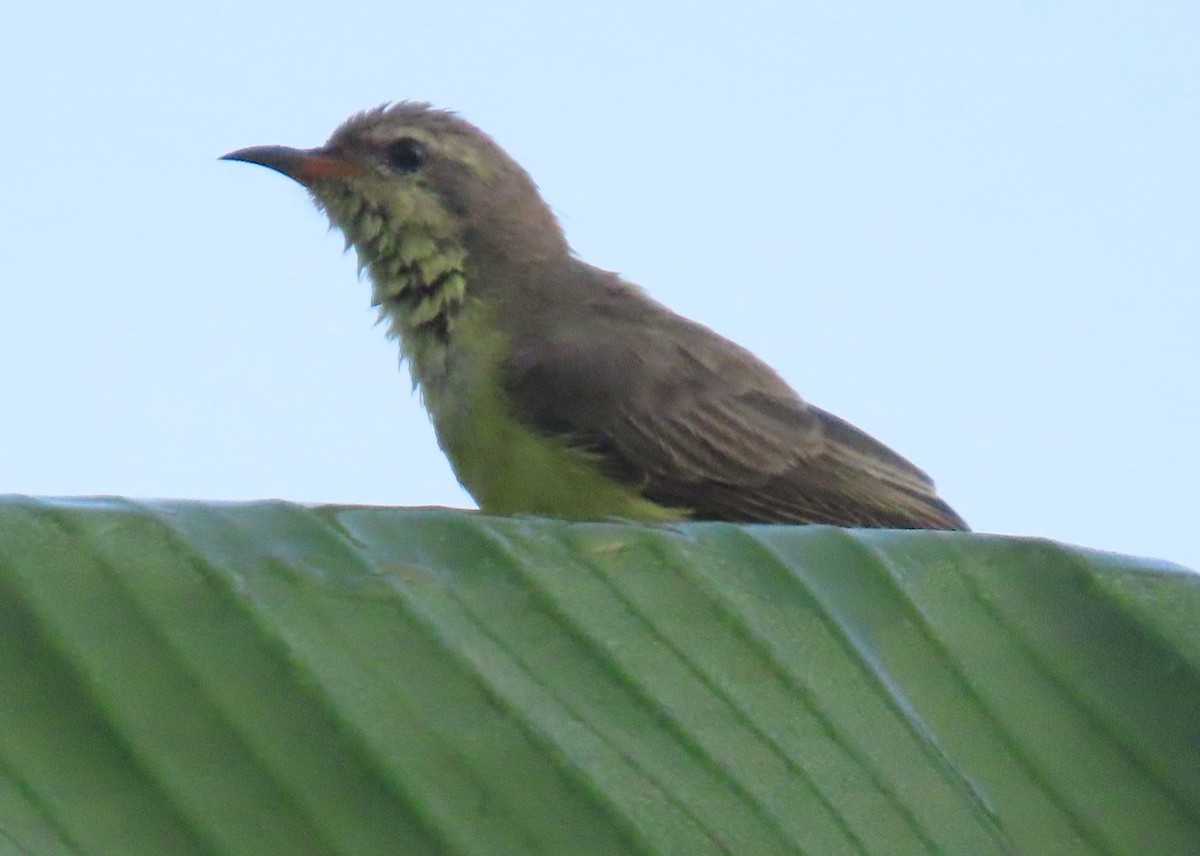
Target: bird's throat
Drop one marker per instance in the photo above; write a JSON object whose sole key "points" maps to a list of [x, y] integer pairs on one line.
{"points": [[417, 281], [418, 278]]}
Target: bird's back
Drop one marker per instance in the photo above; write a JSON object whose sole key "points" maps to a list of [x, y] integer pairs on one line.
{"points": [[695, 421]]}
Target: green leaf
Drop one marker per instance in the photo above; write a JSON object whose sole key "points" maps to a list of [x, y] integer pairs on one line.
{"points": [[268, 678]]}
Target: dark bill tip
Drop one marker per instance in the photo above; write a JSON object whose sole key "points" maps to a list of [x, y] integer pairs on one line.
{"points": [[302, 165]]}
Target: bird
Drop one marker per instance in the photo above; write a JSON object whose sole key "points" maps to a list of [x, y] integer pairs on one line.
{"points": [[557, 388]]}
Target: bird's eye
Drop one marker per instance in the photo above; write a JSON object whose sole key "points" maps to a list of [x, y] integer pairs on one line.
{"points": [[406, 154]]}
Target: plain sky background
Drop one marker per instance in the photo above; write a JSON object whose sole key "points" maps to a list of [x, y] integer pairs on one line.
{"points": [[972, 229]]}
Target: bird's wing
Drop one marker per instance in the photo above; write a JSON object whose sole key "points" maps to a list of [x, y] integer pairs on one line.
{"points": [[701, 424]]}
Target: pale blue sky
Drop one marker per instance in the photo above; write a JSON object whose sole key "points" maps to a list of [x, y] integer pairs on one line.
{"points": [[973, 229]]}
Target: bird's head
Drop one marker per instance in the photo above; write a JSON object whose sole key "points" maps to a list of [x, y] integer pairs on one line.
{"points": [[418, 191]]}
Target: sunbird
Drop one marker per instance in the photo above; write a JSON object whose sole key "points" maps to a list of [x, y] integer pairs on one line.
{"points": [[557, 388]]}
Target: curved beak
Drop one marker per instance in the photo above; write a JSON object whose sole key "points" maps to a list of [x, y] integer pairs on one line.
{"points": [[302, 165]]}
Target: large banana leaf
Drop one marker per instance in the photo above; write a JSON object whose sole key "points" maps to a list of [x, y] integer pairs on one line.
{"points": [[274, 679]]}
